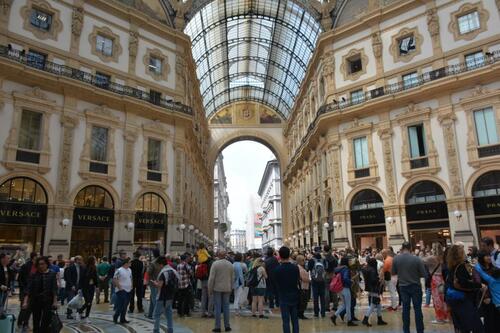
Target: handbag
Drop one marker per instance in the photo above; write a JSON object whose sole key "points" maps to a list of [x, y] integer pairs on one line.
{"points": [[77, 302], [56, 324]]}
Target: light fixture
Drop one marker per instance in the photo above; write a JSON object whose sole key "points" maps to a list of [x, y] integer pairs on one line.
{"points": [[458, 215], [326, 225], [307, 232], [182, 226], [191, 227], [196, 231], [294, 236], [64, 223], [300, 234], [390, 220], [129, 226]]}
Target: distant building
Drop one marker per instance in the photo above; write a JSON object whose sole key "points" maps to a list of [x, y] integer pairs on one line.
{"points": [[222, 225], [238, 240], [270, 194]]}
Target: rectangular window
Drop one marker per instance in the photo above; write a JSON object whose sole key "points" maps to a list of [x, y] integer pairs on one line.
{"points": [[361, 153], [357, 96], [155, 65], [99, 144], [355, 64], [40, 19], [102, 80], [410, 80], [154, 96], [104, 45], [416, 136], [154, 154], [486, 128], [468, 22], [407, 45], [36, 59], [474, 60], [30, 133]]}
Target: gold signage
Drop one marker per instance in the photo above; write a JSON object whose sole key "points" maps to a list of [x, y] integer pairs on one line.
{"points": [[19, 213], [426, 211], [93, 218]]}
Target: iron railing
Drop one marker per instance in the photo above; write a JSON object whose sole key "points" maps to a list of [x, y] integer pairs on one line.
{"points": [[24, 58]]}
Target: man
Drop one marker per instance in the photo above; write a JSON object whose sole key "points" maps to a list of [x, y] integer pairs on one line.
{"points": [[122, 255], [390, 281], [270, 263], [23, 278], [331, 264], [287, 280], [102, 273], [123, 284], [74, 276], [220, 285], [317, 268], [153, 271], [165, 286], [185, 288], [137, 267], [6, 276], [410, 269], [488, 245]]}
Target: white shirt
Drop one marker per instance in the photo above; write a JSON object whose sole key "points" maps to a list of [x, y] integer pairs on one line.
{"points": [[124, 277]]}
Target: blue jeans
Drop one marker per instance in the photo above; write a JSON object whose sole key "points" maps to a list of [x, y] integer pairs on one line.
{"points": [[121, 302], [113, 294], [221, 301], [289, 313], [160, 308], [152, 299], [412, 294], [345, 294], [318, 290], [428, 295]]}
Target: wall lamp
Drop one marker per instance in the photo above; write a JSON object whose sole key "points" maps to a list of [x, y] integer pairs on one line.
{"points": [[65, 223], [326, 225], [458, 215], [129, 226], [390, 220]]}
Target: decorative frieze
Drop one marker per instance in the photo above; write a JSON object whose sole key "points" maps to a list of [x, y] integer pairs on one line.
{"points": [[385, 133], [68, 124]]}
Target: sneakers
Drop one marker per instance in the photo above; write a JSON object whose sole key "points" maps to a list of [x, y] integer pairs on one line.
{"points": [[438, 322]]}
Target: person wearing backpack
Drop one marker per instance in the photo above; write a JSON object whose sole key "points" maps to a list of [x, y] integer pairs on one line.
{"points": [[317, 268], [343, 274], [331, 264], [166, 285]]}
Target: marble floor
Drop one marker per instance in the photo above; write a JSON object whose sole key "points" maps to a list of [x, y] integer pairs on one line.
{"points": [[101, 321]]}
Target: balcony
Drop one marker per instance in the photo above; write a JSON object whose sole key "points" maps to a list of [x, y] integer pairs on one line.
{"points": [[73, 73], [488, 151]]}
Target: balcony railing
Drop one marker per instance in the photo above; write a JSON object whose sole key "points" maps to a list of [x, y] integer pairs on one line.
{"points": [[73, 73], [336, 106]]}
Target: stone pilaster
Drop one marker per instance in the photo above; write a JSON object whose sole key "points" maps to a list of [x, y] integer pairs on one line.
{"points": [[76, 26], [385, 133], [130, 137], [447, 119], [133, 44], [433, 27], [68, 124], [5, 6]]}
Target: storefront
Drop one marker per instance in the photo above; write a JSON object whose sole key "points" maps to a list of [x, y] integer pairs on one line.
{"points": [[93, 221], [150, 224], [427, 215], [486, 193], [23, 216], [368, 220]]}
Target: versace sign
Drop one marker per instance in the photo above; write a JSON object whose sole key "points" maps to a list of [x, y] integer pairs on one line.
{"points": [[149, 220], [23, 213], [95, 218]]}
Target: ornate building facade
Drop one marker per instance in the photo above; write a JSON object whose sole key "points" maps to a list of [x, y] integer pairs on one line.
{"points": [[222, 225], [270, 196]]}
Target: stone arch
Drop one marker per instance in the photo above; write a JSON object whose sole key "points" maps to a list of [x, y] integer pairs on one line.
{"points": [[413, 181], [164, 196], [111, 190], [360, 188], [475, 176], [49, 191]]}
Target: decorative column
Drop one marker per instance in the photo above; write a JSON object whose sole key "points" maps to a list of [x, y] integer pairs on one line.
{"points": [[76, 26], [176, 237], [328, 72], [133, 42], [129, 136], [433, 27], [377, 52], [5, 6]]}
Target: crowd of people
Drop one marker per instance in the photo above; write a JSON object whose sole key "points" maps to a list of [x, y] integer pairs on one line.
{"points": [[464, 287]]}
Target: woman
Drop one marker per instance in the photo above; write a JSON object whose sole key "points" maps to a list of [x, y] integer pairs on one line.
{"points": [[345, 274], [239, 281], [41, 295], [464, 313], [62, 283], [435, 266], [490, 304], [260, 291], [305, 280], [373, 287], [89, 283]]}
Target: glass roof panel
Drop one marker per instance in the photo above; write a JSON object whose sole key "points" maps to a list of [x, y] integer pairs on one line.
{"points": [[252, 50]]}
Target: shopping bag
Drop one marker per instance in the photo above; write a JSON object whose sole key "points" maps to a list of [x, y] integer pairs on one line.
{"points": [[55, 325], [244, 297], [77, 302]]}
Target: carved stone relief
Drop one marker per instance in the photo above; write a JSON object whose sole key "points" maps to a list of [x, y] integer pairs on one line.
{"points": [[447, 121], [385, 135], [68, 123]]}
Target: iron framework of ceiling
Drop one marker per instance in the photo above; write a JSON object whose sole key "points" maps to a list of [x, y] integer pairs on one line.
{"points": [[252, 50]]}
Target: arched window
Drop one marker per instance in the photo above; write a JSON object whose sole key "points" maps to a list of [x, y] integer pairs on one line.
{"points": [[425, 192], [487, 185], [94, 197], [366, 199], [22, 189], [151, 202]]}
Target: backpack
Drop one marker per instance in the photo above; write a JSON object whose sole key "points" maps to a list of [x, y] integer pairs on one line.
{"points": [[201, 272], [252, 279], [318, 272], [170, 288], [337, 285]]}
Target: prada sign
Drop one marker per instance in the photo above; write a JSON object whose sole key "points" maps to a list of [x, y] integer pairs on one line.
{"points": [[22, 213], [427, 211], [151, 221], [367, 216], [94, 218], [487, 205]]}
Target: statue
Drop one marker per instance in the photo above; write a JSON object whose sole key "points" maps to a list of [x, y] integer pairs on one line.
{"points": [[77, 21], [433, 22], [377, 44], [133, 42]]}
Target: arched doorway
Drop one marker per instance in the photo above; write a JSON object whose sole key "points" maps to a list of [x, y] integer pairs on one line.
{"points": [[23, 216], [427, 214], [368, 220], [93, 222], [151, 221], [486, 194]]}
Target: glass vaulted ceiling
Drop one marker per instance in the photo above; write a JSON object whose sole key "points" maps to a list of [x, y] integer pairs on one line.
{"points": [[252, 50]]}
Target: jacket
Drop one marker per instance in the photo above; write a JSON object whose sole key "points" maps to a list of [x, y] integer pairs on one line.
{"points": [[221, 276], [346, 275], [493, 284], [24, 274], [10, 276], [372, 282], [71, 277], [137, 268]]}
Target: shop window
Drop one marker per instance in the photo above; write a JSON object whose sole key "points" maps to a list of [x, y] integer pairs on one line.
{"points": [[40, 19], [94, 197], [154, 160], [406, 45], [357, 96], [410, 80], [151, 202], [30, 133], [487, 185], [425, 192], [23, 189], [36, 59], [104, 45], [366, 199], [468, 22], [99, 150], [155, 65], [474, 60]]}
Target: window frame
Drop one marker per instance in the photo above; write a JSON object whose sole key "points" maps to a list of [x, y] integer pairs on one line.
{"points": [[475, 19], [345, 67], [56, 25], [413, 76], [107, 33], [101, 47], [421, 141], [38, 11], [477, 62], [474, 113], [396, 39], [465, 9], [365, 160]]}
